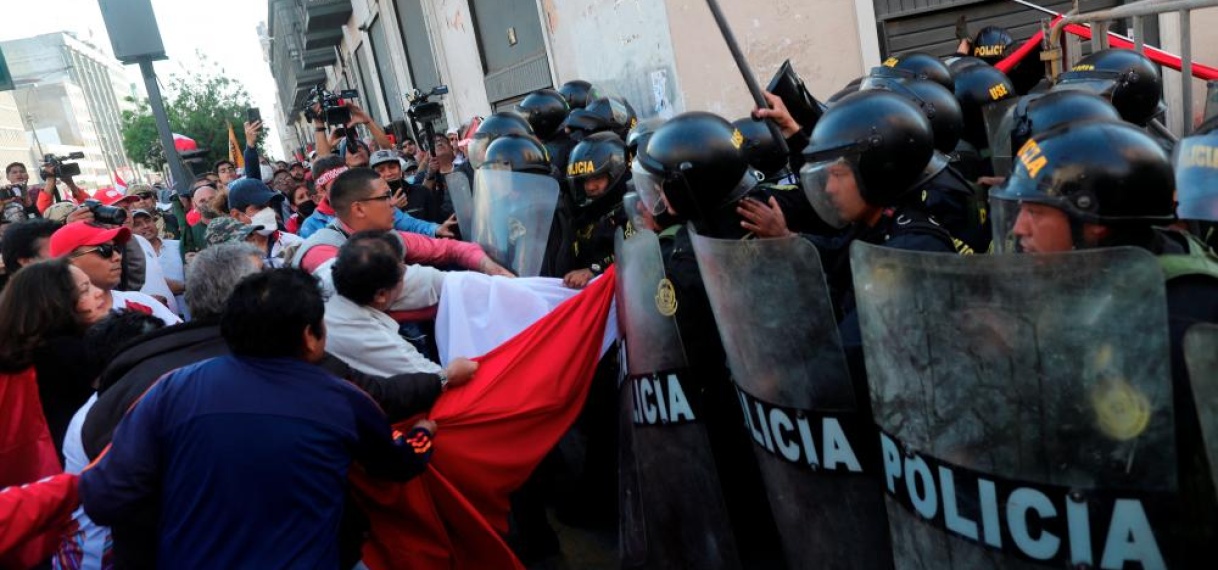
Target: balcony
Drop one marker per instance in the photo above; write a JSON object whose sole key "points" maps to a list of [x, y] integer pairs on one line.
{"points": [[308, 78], [327, 38], [322, 15], [316, 58]]}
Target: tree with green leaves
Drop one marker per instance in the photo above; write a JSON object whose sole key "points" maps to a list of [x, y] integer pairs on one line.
{"points": [[200, 104]]}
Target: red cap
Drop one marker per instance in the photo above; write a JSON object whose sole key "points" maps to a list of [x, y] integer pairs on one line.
{"points": [[65, 240], [112, 196]]}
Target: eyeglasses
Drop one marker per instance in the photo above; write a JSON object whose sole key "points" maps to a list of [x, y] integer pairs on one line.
{"points": [[105, 251], [381, 198]]}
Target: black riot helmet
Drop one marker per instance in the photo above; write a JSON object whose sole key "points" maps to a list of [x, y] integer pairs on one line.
{"points": [[603, 114], [493, 127], [601, 154], [992, 44], [959, 63], [923, 65], [851, 87], [884, 138], [760, 148], [1035, 115], [936, 102], [578, 93], [637, 139], [545, 110], [977, 86], [518, 153], [1098, 172], [694, 161], [1125, 77]]}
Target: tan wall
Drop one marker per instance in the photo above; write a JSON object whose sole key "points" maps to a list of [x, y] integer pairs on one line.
{"points": [[821, 37]]}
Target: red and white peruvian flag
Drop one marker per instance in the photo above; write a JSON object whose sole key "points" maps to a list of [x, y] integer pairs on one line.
{"points": [[119, 183], [184, 143]]}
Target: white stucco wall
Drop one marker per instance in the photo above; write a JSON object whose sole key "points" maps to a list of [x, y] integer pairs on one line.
{"points": [[821, 37], [622, 46], [457, 58]]}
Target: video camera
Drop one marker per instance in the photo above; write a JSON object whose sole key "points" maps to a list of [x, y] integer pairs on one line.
{"points": [[422, 109], [63, 168], [333, 107]]}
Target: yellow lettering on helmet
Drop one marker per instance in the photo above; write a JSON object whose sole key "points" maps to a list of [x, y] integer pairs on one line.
{"points": [[1083, 67], [891, 62], [580, 168], [1200, 156], [998, 92], [737, 138], [989, 51], [1031, 158]]}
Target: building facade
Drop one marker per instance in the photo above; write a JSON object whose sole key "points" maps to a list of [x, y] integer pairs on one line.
{"points": [[665, 56], [14, 140], [71, 96]]}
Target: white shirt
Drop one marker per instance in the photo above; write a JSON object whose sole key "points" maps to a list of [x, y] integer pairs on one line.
{"points": [[171, 265], [283, 249], [85, 548], [421, 288], [154, 276], [368, 340], [122, 298]]}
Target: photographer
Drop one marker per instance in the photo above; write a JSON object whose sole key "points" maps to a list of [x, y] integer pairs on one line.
{"points": [[51, 172], [18, 179], [327, 141]]}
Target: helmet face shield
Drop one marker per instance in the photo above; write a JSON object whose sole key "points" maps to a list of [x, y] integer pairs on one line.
{"points": [[824, 180], [1024, 218], [650, 188], [1196, 166], [477, 150]]}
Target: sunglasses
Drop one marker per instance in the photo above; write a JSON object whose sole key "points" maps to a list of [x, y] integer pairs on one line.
{"points": [[145, 195], [105, 251]]}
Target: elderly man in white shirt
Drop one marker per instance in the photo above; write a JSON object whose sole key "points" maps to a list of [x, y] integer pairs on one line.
{"points": [[367, 279]]}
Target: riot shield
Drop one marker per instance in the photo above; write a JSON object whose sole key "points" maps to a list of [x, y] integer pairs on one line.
{"points": [[811, 440], [1201, 354], [999, 122], [1025, 407], [457, 185], [512, 215], [679, 507]]}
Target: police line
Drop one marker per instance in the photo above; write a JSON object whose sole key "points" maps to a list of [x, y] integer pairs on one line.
{"points": [[1048, 524]]}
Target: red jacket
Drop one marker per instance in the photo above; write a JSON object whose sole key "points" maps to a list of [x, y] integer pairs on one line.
{"points": [[26, 451], [34, 519]]}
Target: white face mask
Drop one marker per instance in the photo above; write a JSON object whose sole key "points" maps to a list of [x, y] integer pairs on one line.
{"points": [[265, 218]]}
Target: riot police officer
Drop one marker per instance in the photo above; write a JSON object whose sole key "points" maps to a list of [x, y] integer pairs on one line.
{"points": [[691, 169], [597, 176], [1130, 80], [546, 110], [578, 93], [1105, 184], [977, 87]]}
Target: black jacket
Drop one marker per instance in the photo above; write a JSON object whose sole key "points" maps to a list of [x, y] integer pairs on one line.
{"points": [[137, 367]]}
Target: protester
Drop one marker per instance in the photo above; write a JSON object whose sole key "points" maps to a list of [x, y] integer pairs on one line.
{"points": [[44, 312], [167, 252], [326, 171], [89, 544], [226, 170], [97, 252], [367, 276], [25, 243], [273, 326]]}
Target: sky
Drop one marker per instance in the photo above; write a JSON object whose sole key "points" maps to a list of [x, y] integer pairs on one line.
{"points": [[223, 30]]}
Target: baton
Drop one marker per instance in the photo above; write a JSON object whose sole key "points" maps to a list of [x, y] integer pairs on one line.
{"points": [[749, 79]]}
